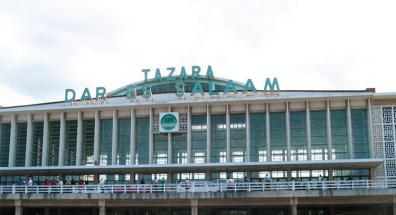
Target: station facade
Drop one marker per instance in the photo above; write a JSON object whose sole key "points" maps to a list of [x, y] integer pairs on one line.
{"points": [[151, 131]]}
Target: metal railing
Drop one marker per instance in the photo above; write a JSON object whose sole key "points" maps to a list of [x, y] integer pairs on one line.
{"points": [[202, 187]]}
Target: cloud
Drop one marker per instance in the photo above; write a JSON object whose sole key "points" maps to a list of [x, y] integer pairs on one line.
{"points": [[47, 46]]}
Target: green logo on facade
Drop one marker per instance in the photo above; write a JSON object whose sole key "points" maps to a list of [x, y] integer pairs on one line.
{"points": [[168, 122]]}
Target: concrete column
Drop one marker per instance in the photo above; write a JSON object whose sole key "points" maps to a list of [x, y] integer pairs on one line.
{"points": [[228, 134], [102, 208], [44, 158], [394, 204], [97, 138], [349, 129], [289, 175], [293, 206], [1, 137], [247, 133], [114, 139], [169, 177], [267, 132], [170, 143], [208, 136], [194, 207], [151, 142], [249, 175], [79, 138], [288, 141], [189, 144], [208, 176], [373, 175], [330, 174], [13, 136], [308, 126], [29, 140], [369, 129], [62, 139], [133, 137], [328, 125], [18, 207]]}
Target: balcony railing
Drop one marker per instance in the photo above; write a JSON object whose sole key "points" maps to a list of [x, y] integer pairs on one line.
{"points": [[196, 187]]}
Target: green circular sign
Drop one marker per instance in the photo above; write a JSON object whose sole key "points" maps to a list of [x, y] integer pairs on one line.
{"points": [[168, 122]]}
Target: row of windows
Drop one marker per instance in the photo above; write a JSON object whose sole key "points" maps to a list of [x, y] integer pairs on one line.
{"points": [[218, 135]]}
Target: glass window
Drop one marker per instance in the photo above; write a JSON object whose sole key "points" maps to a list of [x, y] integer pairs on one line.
{"points": [[318, 135], [298, 136], [53, 143], [258, 145], [71, 142], [88, 142], [339, 134], [278, 136], [21, 144], [218, 138], [124, 139], [142, 140], [360, 133], [238, 137], [37, 147], [106, 135], [161, 148], [5, 129], [198, 138], [179, 148]]}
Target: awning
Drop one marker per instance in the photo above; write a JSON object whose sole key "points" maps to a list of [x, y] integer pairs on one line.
{"points": [[191, 168]]}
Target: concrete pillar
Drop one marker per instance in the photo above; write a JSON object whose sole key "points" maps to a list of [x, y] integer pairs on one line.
{"points": [[247, 133], [79, 138], [249, 175], [267, 132], [114, 139], [170, 143], [330, 174], [189, 144], [228, 134], [349, 129], [151, 142], [369, 129], [373, 175], [46, 211], [102, 208], [13, 136], [194, 207], [332, 210], [169, 177], [394, 204], [288, 141], [208, 176], [18, 207], [289, 175], [44, 158], [62, 139], [328, 125], [308, 126], [293, 206], [29, 140], [133, 137], [208, 136], [1, 137], [97, 138]]}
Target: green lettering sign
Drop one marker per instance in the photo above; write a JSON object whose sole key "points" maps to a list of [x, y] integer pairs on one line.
{"points": [[271, 86], [86, 94], [69, 92]]}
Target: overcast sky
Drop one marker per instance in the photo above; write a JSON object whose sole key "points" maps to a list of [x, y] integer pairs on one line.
{"points": [[47, 46]]}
